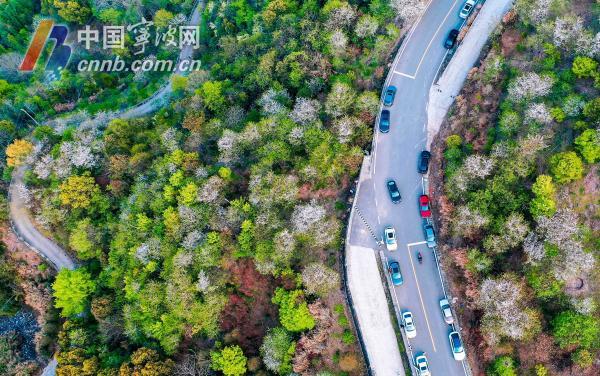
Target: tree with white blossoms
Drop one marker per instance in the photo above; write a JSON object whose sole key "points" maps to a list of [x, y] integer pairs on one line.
{"points": [[584, 305], [468, 222], [573, 262], [170, 139], [148, 251], [534, 12], [43, 167], [341, 17], [229, 148], [366, 26], [285, 244], [530, 145], [320, 280], [338, 41], [271, 101], [193, 239], [478, 166], [203, 283], [305, 111], [269, 189], [573, 104], [408, 10], [210, 191], [538, 112], [534, 248], [277, 351], [339, 100], [513, 232], [505, 310], [568, 30], [306, 216], [558, 229], [368, 101], [78, 154], [530, 85], [344, 127]]}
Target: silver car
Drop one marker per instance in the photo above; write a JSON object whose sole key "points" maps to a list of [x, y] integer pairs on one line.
{"points": [[458, 351], [389, 234], [446, 311], [409, 324], [422, 365]]}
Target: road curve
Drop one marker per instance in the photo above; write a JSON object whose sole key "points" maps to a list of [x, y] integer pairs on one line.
{"points": [[18, 213], [395, 156]]}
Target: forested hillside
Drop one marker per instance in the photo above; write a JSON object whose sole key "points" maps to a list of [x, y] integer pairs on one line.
{"points": [[520, 207], [209, 233]]}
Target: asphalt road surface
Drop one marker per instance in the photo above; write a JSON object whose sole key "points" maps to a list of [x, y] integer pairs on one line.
{"points": [[395, 156]]}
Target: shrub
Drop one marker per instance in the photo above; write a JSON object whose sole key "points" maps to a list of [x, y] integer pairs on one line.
{"points": [[583, 358]]}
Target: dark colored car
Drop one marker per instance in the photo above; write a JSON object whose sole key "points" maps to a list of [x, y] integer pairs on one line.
{"points": [[384, 121], [394, 191], [451, 39], [394, 269], [424, 208], [424, 162], [388, 98]]}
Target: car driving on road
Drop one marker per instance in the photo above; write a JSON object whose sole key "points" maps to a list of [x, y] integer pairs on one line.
{"points": [[458, 351], [422, 365], [409, 324], [388, 98], [424, 208], [395, 274], [429, 235], [389, 234], [394, 191], [424, 162], [384, 121], [446, 311], [467, 9], [451, 39]]}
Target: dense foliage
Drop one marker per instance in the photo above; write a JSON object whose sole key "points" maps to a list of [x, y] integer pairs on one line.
{"points": [[216, 223], [521, 192]]}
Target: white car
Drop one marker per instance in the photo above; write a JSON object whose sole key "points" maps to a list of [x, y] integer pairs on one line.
{"points": [[409, 324], [422, 365], [467, 9], [458, 351], [389, 234], [446, 311]]}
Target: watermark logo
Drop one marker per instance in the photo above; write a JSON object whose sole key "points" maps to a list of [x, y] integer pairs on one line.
{"points": [[60, 54]]}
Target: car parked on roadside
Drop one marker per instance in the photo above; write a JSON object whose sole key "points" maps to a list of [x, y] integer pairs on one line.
{"points": [[458, 351], [389, 234], [424, 158], [429, 235], [395, 274], [451, 39], [384, 121], [424, 207], [422, 365], [467, 9], [390, 94], [409, 324], [446, 311], [394, 191]]}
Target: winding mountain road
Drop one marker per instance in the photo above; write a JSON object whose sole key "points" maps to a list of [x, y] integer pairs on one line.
{"points": [[395, 156], [19, 214]]}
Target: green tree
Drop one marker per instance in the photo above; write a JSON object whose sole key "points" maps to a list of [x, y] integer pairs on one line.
{"points": [[76, 11], [84, 240], [588, 145], [543, 203], [145, 361], [178, 82], [231, 361], [278, 350], [503, 366], [591, 110], [566, 167], [571, 328], [293, 310], [212, 93], [78, 191], [162, 17], [584, 66], [72, 288]]}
